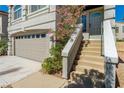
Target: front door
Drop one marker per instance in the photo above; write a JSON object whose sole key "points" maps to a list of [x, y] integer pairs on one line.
{"points": [[96, 19]]}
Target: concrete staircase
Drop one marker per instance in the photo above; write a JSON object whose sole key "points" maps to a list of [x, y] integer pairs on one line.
{"points": [[88, 67]]}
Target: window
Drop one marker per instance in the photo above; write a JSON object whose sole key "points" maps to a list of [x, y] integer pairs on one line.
{"points": [[29, 36], [123, 29], [36, 7], [37, 36], [17, 11], [21, 37], [43, 35], [117, 29], [16, 37], [25, 37], [33, 36]]}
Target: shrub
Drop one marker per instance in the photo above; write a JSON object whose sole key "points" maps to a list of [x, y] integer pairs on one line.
{"points": [[51, 65], [56, 51], [3, 47]]}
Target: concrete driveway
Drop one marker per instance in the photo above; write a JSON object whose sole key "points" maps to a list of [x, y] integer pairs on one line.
{"points": [[13, 68]]}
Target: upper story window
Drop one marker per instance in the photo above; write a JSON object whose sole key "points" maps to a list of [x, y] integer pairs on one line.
{"points": [[117, 29], [34, 8], [123, 29], [17, 11]]}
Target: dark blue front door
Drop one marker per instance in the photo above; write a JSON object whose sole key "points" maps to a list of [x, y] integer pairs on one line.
{"points": [[96, 19], [84, 23]]}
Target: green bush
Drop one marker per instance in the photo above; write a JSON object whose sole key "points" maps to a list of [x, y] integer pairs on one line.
{"points": [[53, 64], [3, 47], [56, 51]]}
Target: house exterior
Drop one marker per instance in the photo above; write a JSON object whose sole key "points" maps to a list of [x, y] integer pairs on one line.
{"points": [[3, 25], [120, 30], [30, 28]]}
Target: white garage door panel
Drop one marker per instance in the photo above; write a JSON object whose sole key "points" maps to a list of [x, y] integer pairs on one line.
{"points": [[36, 49]]}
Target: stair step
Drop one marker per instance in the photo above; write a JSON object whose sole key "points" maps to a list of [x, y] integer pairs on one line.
{"points": [[90, 65], [83, 68], [89, 52], [91, 58], [94, 44], [82, 62], [95, 54], [91, 49], [94, 41]]}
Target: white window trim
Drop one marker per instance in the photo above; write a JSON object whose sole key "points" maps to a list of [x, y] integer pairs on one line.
{"points": [[39, 10], [16, 11]]}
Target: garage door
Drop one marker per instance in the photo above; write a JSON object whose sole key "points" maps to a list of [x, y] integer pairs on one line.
{"points": [[35, 46]]}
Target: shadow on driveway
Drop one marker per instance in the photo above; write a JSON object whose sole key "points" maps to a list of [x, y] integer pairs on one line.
{"points": [[10, 71], [91, 79]]}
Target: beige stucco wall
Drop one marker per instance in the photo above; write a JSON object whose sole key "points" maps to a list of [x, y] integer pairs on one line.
{"points": [[109, 13], [43, 20]]}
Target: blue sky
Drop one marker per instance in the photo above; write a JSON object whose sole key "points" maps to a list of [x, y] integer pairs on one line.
{"points": [[4, 8], [119, 12]]}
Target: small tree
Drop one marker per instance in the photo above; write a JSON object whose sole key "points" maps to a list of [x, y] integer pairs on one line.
{"points": [[67, 17]]}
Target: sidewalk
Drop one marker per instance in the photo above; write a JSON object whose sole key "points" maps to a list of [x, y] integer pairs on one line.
{"points": [[40, 80]]}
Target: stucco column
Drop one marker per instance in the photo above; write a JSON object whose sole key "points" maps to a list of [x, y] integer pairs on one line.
{"points": [[110, 67], [24, 11], [9, 15], [51, 40], [13, 45], [109, 14], [110, 75], [9, 52]]}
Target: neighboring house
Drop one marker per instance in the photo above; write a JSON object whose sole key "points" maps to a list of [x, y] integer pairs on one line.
{"points": [[30, 27], [120, 30], [3, 25]]}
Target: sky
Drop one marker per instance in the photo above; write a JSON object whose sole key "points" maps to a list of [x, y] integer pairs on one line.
{"points": [[119, 12], [4, 8]]}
